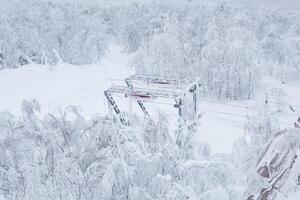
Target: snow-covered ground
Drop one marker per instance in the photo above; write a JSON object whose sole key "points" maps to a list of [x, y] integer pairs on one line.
{"points": [[295, 196], [223, 122], [63, 85]]}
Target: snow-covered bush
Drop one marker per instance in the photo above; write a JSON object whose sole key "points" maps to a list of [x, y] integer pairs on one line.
{"points": [[215, 47], [227, 48], [65, 156], [259, 131]]}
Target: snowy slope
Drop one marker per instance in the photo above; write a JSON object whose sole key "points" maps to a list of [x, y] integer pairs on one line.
{"points": [[64, 84], [83, 86]]}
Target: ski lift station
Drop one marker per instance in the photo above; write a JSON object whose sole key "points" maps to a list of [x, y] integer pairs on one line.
{"points": [[142, 89]]}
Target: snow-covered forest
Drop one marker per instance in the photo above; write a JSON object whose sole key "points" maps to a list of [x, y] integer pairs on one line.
{"points": [[247, 59]]}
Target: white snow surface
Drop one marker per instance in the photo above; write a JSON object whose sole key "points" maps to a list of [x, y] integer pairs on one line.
{"points": [[223, 121], [295, 196], [63, 85], [57, 87]]}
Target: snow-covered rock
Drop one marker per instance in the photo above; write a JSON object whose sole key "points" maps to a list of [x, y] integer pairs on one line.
{"points": [[280, 164]]}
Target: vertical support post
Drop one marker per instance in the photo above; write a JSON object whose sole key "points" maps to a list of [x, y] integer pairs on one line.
{"points": [[266, 102], [109, 106], [130, 88], [195, 99], [180, 107], [115, 107]]}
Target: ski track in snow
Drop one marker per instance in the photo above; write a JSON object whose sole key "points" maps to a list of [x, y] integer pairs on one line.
{"points": [[83, 86]]}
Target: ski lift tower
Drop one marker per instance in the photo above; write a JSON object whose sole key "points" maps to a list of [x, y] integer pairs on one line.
{"points": [[144, 88]]}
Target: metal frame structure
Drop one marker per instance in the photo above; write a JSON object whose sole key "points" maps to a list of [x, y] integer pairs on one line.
{"points": [[155, 88], [159, 81]]}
